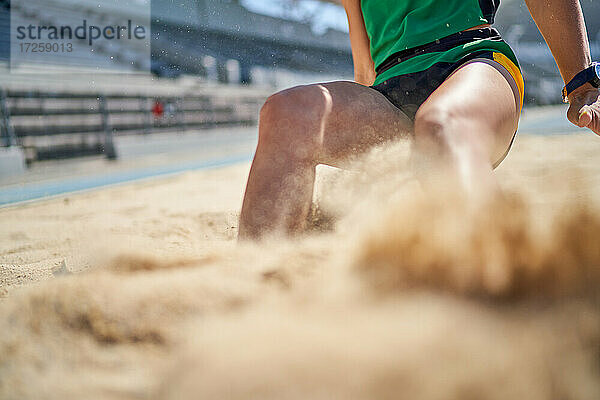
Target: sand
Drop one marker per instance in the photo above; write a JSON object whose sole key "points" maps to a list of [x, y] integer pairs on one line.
{"points": [[141, 291]]}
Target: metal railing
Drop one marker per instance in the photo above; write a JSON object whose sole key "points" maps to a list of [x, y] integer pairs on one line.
{"points": [[64, 120]]}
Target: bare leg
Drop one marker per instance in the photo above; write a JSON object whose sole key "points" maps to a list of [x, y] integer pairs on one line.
{"points": [[463, 129], [300, 128]]}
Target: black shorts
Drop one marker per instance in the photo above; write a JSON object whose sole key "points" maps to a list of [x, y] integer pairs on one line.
{"points": [[408, 91]]}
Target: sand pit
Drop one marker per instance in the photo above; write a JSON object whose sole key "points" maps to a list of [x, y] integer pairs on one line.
{"points": [[141, 292]]}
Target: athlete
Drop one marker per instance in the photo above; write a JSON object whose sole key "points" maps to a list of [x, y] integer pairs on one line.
{"points": [[431, 70]]}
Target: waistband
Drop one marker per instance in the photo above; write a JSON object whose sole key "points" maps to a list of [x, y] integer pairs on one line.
{"points": [[440, 45]]}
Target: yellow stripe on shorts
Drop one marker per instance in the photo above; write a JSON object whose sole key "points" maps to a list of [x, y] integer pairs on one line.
{"points": [[514, 71]]}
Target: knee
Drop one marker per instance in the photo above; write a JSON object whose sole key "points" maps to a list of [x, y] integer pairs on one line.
{"points": [[294, 118], [298, 104], [432, 129]]}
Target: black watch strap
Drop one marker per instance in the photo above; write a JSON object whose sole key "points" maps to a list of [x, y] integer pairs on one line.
{"points": [[590, 74]]}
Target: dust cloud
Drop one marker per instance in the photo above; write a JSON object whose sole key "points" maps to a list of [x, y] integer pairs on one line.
{"points": [[394, 294]]}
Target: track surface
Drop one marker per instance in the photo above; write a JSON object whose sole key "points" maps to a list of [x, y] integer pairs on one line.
{"points": [[202, 151]]}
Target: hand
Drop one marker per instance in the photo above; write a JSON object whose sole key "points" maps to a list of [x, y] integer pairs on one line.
{"points": [[584, 109]]}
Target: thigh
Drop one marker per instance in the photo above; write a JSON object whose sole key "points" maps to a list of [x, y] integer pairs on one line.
{"points": [[359, 117], [480, 104]]}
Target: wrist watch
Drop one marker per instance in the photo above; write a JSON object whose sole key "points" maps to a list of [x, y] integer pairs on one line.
{"points": [[589, 75]]}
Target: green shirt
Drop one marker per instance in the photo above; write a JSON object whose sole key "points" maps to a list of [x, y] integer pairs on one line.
{"points": [[395, 25]]}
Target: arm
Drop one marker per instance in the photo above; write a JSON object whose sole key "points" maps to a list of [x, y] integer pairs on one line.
{"points": [[364, 68], [563, 27]]}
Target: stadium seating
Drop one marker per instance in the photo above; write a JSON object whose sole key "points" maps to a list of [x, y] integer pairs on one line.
{"points": [[179, 45], [62, 113], [61, 124]]}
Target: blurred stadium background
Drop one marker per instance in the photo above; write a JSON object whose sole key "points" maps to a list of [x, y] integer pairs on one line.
{"points": [[212, 64]]}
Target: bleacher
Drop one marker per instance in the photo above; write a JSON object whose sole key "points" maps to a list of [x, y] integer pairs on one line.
{"points": [[55, 106], [184, 33], [55, 125], [176, 46], [71, 117]]}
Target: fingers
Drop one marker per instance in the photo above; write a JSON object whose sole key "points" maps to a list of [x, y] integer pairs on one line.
{"points": [[590, 117], [585, 117], [584, 110]]}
